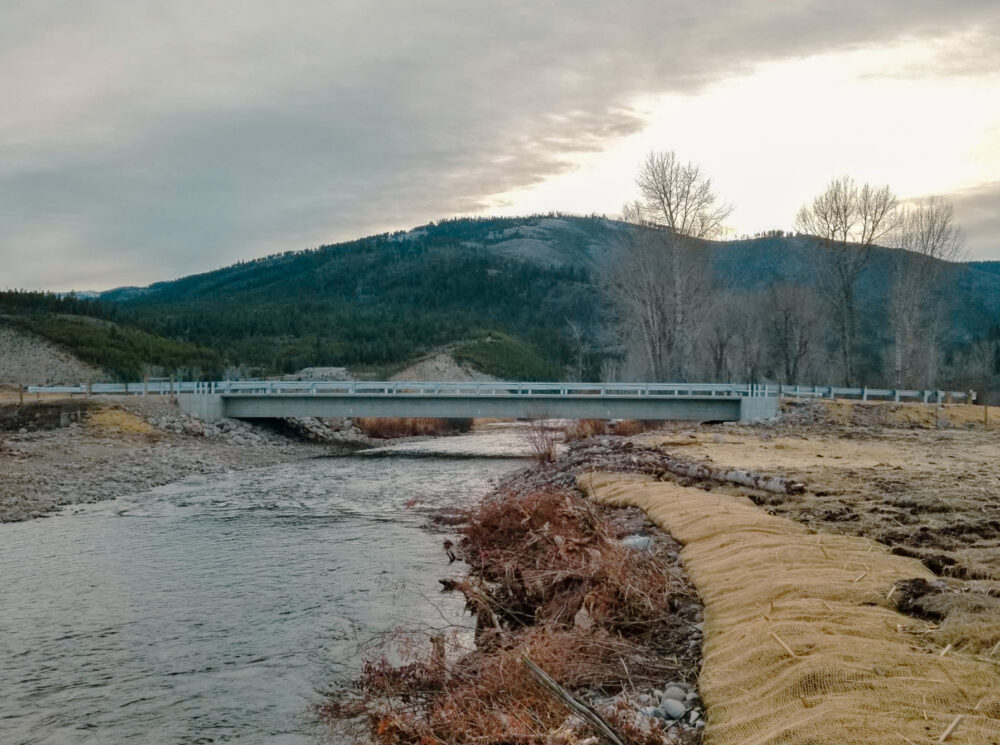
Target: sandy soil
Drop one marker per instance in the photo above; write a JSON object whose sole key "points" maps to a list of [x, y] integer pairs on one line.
{"points": [[929, 493]]}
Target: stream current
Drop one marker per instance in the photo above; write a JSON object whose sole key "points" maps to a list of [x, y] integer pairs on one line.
{"points": [[217, 609]]}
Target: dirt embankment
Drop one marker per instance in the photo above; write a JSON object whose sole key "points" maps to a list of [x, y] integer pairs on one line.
{"points": [[70, 451], [440, 367], [23, 355], [933, 494]]}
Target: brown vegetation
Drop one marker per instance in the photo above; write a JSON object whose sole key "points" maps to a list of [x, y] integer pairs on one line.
{"points": [[391, 427], [116, 421], [581, 429], [541, 438], [550, 581]]}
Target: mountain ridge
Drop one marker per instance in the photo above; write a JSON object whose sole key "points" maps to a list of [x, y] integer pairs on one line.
{"points": [[378, 302]]}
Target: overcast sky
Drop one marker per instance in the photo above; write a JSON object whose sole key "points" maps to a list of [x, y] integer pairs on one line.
{"points": [[142, 141]]}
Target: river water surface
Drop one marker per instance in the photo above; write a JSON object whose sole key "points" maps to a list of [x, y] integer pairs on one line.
{"points": [[216, 609]]}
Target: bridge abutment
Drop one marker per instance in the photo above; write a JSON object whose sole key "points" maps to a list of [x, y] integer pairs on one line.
{"points": [[209, 407], [758, 408]]}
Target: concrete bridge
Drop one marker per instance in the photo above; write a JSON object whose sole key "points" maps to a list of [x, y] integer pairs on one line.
{"points": [[502, 400], [269, 400]]}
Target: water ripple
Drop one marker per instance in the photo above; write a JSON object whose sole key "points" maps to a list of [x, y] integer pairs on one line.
{"points": [[214, 609]]}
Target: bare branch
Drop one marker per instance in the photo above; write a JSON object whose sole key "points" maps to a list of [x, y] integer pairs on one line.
{"points": [[846, 220]]}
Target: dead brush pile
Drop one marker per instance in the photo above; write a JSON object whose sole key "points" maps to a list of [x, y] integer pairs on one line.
{"points": [[549, 580]]}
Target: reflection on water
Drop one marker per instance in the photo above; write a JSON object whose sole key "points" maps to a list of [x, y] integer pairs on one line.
{"points": [[214, 609]]}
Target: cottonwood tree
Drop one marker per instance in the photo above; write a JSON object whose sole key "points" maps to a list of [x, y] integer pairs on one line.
{"points": [[928, 241], [662, 277], [718, 339], [577, 339], [846, 220], [639, 290], [750, 339], [795, 321]]}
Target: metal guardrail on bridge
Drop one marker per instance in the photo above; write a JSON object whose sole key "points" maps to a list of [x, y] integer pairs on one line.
{"points": [[498, 388]]}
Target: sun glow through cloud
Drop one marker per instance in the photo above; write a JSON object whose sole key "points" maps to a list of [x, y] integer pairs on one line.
{"points": [[774, 137]]}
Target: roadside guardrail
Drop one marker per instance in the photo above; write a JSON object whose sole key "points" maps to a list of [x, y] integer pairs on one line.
{"points": [[500, 388]]}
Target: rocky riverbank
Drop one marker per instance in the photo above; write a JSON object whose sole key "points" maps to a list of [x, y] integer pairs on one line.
{"points": [[595, 598], [556, 581], [73, 451]]}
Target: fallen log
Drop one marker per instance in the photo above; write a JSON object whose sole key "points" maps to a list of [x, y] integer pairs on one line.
{"points": [[572, 703], [763, 481]]}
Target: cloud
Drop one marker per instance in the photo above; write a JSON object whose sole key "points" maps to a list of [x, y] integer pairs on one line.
{"points": [[153, 140], [977, 210]]}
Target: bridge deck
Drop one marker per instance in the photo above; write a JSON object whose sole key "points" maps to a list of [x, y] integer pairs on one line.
{"points": [[256, 399]]}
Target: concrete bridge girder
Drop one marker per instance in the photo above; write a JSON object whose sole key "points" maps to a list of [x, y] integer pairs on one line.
{"points": [[272, 406]]}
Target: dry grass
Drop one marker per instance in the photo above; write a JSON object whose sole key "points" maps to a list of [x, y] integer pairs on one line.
{"points": [[629, 427], [581, 429], [549, 581], [119, 422], [541, 439], [927, 493], [392, 427], [890, 414]]}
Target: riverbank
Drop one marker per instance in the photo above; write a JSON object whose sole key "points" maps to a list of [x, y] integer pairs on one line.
{"points": [[74, 451], [920, 481], [595, 597]]}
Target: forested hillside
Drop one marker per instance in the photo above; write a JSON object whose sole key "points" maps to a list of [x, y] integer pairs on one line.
{"points": [[382, 300], [88, 330], [517, 298]]}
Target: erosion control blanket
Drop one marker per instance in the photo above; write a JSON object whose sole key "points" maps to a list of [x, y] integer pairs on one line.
{"points": [[803, 644]]}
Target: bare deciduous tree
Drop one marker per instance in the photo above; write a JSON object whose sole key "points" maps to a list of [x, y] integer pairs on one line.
{"points": [[719, 341], [847, 220], [796, 326], [679, 197], [928, 240], [663, 273], [576, 337], [750, 343]]}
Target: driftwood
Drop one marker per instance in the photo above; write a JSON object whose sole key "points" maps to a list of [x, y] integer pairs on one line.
{"points": [[572, 703], [762, 481]]}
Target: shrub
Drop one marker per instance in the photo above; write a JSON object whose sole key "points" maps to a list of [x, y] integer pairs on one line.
{"points": [[547, 581], [390, 427]]}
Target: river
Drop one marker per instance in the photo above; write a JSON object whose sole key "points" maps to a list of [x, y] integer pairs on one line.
{"points": [[217, 609]]}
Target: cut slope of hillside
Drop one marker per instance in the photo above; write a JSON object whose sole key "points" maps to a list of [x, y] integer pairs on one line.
{"points": [[440, 367], [28, 359]]}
